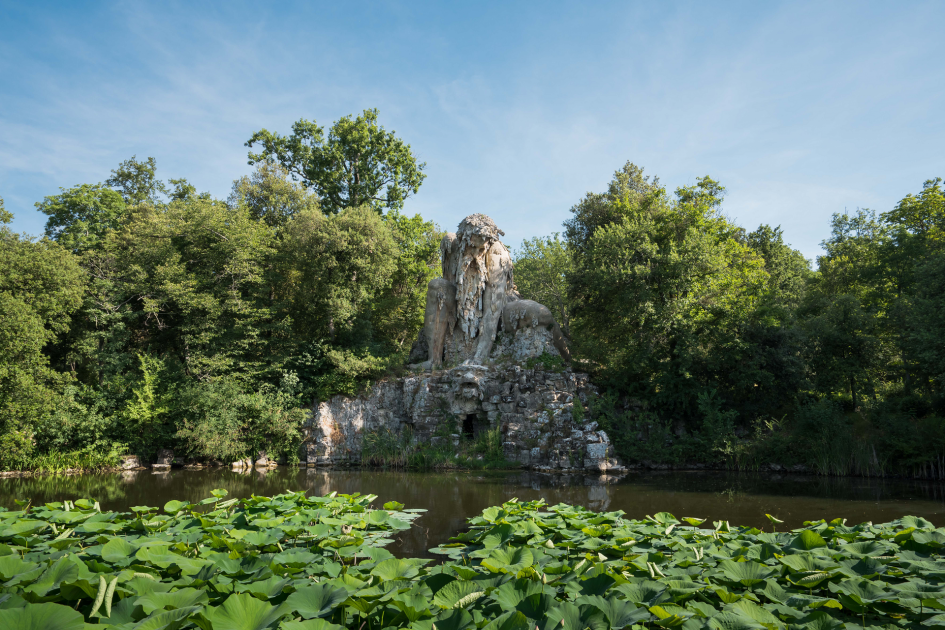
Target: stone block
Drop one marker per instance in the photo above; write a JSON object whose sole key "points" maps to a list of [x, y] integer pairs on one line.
{"points": [[488, 406], [596, 452], [507, 407], [129, 462]]}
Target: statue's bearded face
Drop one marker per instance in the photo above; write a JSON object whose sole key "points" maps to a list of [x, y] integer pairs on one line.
{"points": [[479, 242]]}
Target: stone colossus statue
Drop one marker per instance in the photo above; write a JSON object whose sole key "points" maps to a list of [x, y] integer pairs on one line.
{"points": [[475, 299]]}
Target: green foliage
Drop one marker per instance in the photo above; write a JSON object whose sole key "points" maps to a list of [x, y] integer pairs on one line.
{"points": [[270, 196], [548, 362], [542, 266], [397, 313], [662, 289], [181, 321], [146, 411], [78, 422], [319, 562], [5, 215], [239, 564], [391, 449], [220, 420], [358, 164], [16, 449], [88, 459], [80, 217], [137, 182], [489, 444], [40, 285], [557, 562]]}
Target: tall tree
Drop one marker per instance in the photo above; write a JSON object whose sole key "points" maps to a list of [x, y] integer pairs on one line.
{"points": [[41, 283], [79, 217], [661, 288], [137, 181], [270, 196], [358, 163]]}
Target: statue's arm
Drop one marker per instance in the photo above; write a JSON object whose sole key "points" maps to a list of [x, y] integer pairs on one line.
{"points": [[447, 264], [494, 300]]}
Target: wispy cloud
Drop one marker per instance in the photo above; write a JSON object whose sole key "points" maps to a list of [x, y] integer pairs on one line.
{"points": [[800, 109]]}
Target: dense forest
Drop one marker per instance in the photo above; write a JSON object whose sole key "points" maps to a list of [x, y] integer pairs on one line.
{"points": [[153, 316]]}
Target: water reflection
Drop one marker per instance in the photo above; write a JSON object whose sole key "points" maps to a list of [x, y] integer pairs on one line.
{"points": [[450, 498]]}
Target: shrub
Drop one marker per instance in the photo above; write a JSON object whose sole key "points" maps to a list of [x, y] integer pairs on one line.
{"points": [[219, 419]]}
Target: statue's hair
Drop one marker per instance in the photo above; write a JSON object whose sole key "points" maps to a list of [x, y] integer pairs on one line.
{"points": [[479, 224]]}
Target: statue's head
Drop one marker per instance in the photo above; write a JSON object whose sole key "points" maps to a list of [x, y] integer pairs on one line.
{"points": [[478, 229]]}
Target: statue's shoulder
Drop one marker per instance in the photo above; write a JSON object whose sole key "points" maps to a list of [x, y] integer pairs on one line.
{"points": [[499, 255], [446, 243]]}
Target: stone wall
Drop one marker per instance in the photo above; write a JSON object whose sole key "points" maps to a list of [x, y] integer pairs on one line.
{"points": [[533, 409]]}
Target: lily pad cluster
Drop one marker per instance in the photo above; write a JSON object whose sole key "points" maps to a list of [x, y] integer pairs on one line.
{"points": [[293, 562], [527, 565], [288, 561]]}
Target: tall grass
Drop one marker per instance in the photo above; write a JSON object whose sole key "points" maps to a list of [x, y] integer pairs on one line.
{"points": [[385, 448], [87, 460]]}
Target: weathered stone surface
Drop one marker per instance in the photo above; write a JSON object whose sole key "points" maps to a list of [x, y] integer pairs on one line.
{"points": [[130, 462], [164, 459], [475, 299], [534, 433]]}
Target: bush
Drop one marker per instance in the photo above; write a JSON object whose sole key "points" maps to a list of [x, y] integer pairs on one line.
{"points": [[220, 420], [16, 449], [78, 423]]}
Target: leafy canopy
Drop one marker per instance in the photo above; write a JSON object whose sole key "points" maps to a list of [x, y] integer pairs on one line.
{"points": [[358, 163]]}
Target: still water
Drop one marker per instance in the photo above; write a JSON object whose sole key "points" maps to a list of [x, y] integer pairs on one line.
{"points": [[451, 498]]}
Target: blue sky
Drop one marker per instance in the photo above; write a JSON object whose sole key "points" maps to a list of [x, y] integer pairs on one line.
{"points": [[799, 109]]}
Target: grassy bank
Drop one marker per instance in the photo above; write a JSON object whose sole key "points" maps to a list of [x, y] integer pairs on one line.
{"points": [[318, 563], [85, 460]]}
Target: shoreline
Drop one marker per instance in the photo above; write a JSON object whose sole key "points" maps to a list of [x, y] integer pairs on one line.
{"points": [[773, 469]]}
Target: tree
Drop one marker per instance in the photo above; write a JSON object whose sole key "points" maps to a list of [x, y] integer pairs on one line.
{"points": [[193, 276], [79, 217], [333, 272], [661, 289], [358, 164], [40, 285], [136, 181], [542, 266], [787, 268], [5, 215], [398, 309], [629, 192], [270, 196]]}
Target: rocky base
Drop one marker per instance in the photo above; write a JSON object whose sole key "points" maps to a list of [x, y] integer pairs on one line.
{"points": [[532, 409]]}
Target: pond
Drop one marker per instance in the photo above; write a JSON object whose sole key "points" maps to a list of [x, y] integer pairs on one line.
{"points": [[451, 497]]}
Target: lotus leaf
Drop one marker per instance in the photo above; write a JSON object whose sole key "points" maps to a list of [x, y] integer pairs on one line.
{"points": [[319, 600], [41, 617], [458, 594]]}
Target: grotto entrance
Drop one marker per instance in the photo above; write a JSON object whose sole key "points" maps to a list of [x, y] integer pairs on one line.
{"points": [[473, 425]]}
